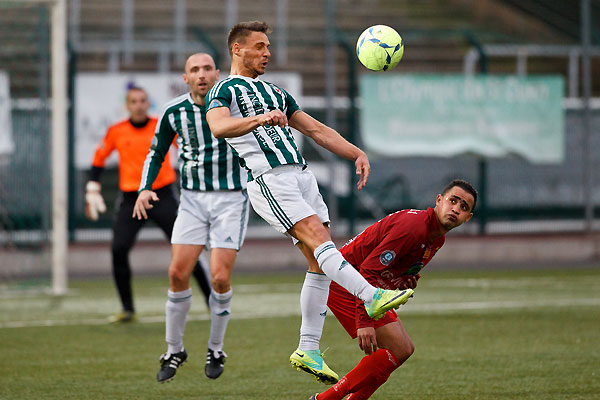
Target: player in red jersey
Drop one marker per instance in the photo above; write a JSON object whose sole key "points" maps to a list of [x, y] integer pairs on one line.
{"points": [[390, 254]]}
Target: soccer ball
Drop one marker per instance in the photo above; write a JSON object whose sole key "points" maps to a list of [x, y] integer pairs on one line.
{"points": [[379, 48]]}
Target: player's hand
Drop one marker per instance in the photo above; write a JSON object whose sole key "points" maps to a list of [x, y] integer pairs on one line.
{"points": [[143, 203], [273, 118], [363, 170], [94, 203], [409, 281], [367, 340]]}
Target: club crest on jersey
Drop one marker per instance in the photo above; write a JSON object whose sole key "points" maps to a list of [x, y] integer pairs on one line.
{"points": [[275, 88], [214, 104], [387, 257]]}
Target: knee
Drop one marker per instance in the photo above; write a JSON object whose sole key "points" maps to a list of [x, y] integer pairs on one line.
{"points": [[120, 249], [312, 233], [318, 232], [220, 282], [404, 351], [178, 276]]}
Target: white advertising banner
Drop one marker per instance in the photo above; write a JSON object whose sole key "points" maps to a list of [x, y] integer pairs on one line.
{"points": [[100, 103]]}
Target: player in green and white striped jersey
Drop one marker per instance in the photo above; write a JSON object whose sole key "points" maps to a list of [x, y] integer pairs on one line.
{"points": [[206, 163], [254, 117], [269, 146], [213, 210]]}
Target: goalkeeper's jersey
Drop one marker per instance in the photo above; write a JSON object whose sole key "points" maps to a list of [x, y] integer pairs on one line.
{"points": [[132, 143], [205, 162], [266, 147]]}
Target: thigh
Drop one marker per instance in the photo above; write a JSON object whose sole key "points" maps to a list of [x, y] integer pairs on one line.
{"points": [[312, 196], [228, 220], [222, 260], [125, 227], [164, 211], [184, 258], [192, 222], [277, 197], [343, 305], [394, 337]]}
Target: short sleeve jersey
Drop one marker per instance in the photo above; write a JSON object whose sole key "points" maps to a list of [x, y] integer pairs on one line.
{"points": [[132, 144], [266, 147], [395, 246], [206, 163]]}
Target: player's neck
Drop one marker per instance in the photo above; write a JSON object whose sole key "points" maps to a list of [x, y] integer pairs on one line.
{"points": [[139, 122], [438, 233], [198, 98], [239, 69]]}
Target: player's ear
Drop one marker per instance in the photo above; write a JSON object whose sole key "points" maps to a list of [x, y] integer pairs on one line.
{"points": [[218, 74], [470, 216], [235, 49], [438, 199]]}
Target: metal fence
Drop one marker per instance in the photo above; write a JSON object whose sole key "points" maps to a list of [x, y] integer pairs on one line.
{"points": [[25, 172]]}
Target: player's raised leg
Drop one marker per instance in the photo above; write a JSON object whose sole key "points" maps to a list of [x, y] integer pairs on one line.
{"points": [[317, 238], [179, 301]]}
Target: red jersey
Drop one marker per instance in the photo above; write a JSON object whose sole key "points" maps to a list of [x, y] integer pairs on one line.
{"points": [[133, 144], [394, 246]]}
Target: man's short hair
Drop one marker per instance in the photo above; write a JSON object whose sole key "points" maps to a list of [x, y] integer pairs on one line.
{"points": [[466, 186], [133, 86], [242, 30]]}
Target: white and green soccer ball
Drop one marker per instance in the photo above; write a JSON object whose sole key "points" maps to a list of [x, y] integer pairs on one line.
{"points": [[379, 48]]}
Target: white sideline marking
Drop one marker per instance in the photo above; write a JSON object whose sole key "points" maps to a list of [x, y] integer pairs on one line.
{"points": [[409, 309]]}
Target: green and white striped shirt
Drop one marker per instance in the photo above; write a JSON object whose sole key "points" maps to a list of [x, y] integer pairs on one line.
{"points": [[266, 147], [205, 162]]}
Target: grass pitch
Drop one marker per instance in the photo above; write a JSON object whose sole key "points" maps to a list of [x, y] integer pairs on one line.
{"points": [[478, 335]]}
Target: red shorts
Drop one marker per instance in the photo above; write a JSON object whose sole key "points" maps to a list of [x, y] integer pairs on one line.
{"points": [[343, 306]]}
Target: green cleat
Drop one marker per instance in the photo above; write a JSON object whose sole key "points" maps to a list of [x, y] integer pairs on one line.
{"points": [[311, 361], [385, 300]]}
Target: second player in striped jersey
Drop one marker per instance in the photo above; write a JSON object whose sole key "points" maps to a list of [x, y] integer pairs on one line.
{"points": [[206, 163], [213, 211], [253, 115]]}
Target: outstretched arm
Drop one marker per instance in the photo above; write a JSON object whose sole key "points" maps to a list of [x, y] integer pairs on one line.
{"points": [[223, 125], [331, 140]]}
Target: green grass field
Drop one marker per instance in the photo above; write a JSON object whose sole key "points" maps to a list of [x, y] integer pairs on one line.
{"points": [[478, 335]]}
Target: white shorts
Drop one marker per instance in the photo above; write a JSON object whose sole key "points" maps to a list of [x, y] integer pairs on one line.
{"points": [[218, 219], [286, 195]]}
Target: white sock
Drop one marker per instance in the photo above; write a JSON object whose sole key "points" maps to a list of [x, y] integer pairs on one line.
{"points": [[335, 267], [220, 312], [313, 303], [176, 310]]}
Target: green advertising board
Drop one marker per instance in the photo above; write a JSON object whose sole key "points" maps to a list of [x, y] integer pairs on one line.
{"points": [[447, 115]]}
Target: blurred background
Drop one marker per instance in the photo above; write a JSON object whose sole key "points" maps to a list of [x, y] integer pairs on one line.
{"points": [[506, 93]]}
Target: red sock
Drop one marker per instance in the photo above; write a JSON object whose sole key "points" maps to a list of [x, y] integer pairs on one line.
{"points": [[370, 373]]}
